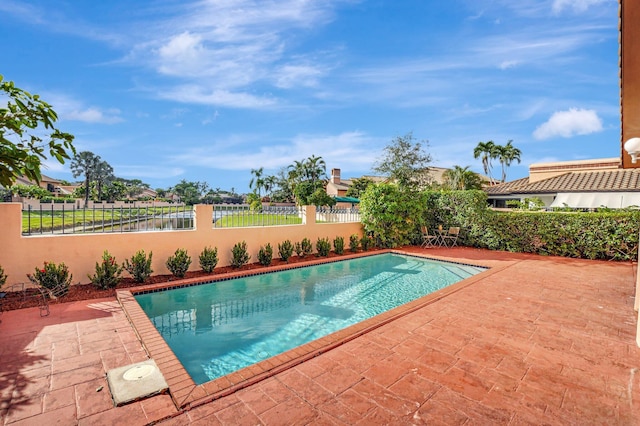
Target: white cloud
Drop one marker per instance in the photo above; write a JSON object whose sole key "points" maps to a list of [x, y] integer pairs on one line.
{"points": [[569, 123], [201, 95], [72, 109], [93, 115], [232, 155], [576, 5], [220, 50], [508, 64], [297, 75]]}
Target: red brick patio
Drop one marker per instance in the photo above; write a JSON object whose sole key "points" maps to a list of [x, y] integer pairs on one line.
{"points": [[542, 340]]}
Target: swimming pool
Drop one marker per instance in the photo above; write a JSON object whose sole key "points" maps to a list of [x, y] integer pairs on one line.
{"points": [[215, 329]]}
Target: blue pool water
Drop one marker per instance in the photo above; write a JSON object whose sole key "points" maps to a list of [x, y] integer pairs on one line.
{"points": [[217, 328]]}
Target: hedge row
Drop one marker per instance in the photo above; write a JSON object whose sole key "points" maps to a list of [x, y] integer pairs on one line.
{"points": [[602, 235]]}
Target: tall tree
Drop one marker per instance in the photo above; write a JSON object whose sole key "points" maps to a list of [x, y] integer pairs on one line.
{"points": [[103, 175], [85, 163], [190, 192], [270, 184], [506, 155], [134, 187], [305, 177], [315, 168], [358, 186], [405, 161], [114, 190], [486, 151], [461, 178], [257, 181], [22, 152]]}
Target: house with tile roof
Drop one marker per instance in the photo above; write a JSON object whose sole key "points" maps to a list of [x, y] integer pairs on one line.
{"points": [[590, 184], [584, 184], [50, 184]]}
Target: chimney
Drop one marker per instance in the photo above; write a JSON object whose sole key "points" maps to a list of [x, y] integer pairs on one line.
{"points": [[335, 176]]}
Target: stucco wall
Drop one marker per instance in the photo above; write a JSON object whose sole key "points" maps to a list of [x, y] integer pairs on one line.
{"points": [[630, 70], [20, 255]]}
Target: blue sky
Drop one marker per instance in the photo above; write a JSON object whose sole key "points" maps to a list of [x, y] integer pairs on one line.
{"points": [[207, 90]]}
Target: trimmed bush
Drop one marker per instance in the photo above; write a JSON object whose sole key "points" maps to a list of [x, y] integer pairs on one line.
{"points": [[54, 277], [179, 263], [239, 255], [354, 242], [366, 242], [3, 277], [323, 247], [265, 255], [285, 250], [209, 259], [338, 245], [107, 272], [307, 248], [140, 266]]}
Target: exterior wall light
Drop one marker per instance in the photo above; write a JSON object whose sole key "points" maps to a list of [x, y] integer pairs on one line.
{"points": [[632, 146]]}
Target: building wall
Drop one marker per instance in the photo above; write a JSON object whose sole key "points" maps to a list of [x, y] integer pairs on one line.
{"points": [[542, 171], [21, 255], [629, 74]]}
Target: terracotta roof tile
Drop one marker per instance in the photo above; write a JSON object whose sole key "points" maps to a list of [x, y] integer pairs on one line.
{"points": [[605, 180]]}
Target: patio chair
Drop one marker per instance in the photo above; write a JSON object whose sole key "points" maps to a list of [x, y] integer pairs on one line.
{"points": [[450, 239], [427, 239], [46, 293]]}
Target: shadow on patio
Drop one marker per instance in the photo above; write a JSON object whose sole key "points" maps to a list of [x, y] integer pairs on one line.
{"points": [[542, 341]]}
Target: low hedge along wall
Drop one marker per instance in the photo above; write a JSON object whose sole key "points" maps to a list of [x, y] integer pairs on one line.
{"points": [[611, 236], [602, 235]]}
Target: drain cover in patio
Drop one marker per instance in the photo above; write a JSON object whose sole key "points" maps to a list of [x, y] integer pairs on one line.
{"points": [[136, 381]]}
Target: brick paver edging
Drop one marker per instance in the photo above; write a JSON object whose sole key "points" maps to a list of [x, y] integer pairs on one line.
{"points": [[186, 394]]}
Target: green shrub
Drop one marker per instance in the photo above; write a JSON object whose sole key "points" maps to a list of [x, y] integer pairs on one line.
{"points": [[307, 248], [338, 245], [323, 247], [366, 242], [354, 242], [239, 255], [391, 213], [285, 250], [107, 272], [140, 266], [54, 276], [265, 255], [611, 235], [209, 259], [179, 263], [3, 277]]}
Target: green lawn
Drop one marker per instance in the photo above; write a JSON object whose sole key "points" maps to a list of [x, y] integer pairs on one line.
{"points": [[76, 220], [257, 219]]}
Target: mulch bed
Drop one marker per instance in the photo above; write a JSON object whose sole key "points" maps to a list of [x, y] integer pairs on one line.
{"points": [[15, 300]]}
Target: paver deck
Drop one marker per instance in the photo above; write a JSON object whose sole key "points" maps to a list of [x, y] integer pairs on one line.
{"points": [[543, 340]]}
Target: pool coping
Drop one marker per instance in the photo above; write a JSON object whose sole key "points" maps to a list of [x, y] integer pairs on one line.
{"points": [[186, 394]]}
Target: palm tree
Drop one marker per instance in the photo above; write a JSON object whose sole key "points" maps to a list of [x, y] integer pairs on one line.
{"points": [[257, 182], [507, 154], [85, 163], [270, 183], [316, 168], [486, 151], [461, 178]]}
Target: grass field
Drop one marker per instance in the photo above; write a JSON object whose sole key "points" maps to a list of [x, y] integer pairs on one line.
{"points": [[78, 220], [257, 219]]}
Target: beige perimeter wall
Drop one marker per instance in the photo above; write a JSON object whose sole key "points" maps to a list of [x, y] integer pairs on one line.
{"points": [[20, 255]]}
